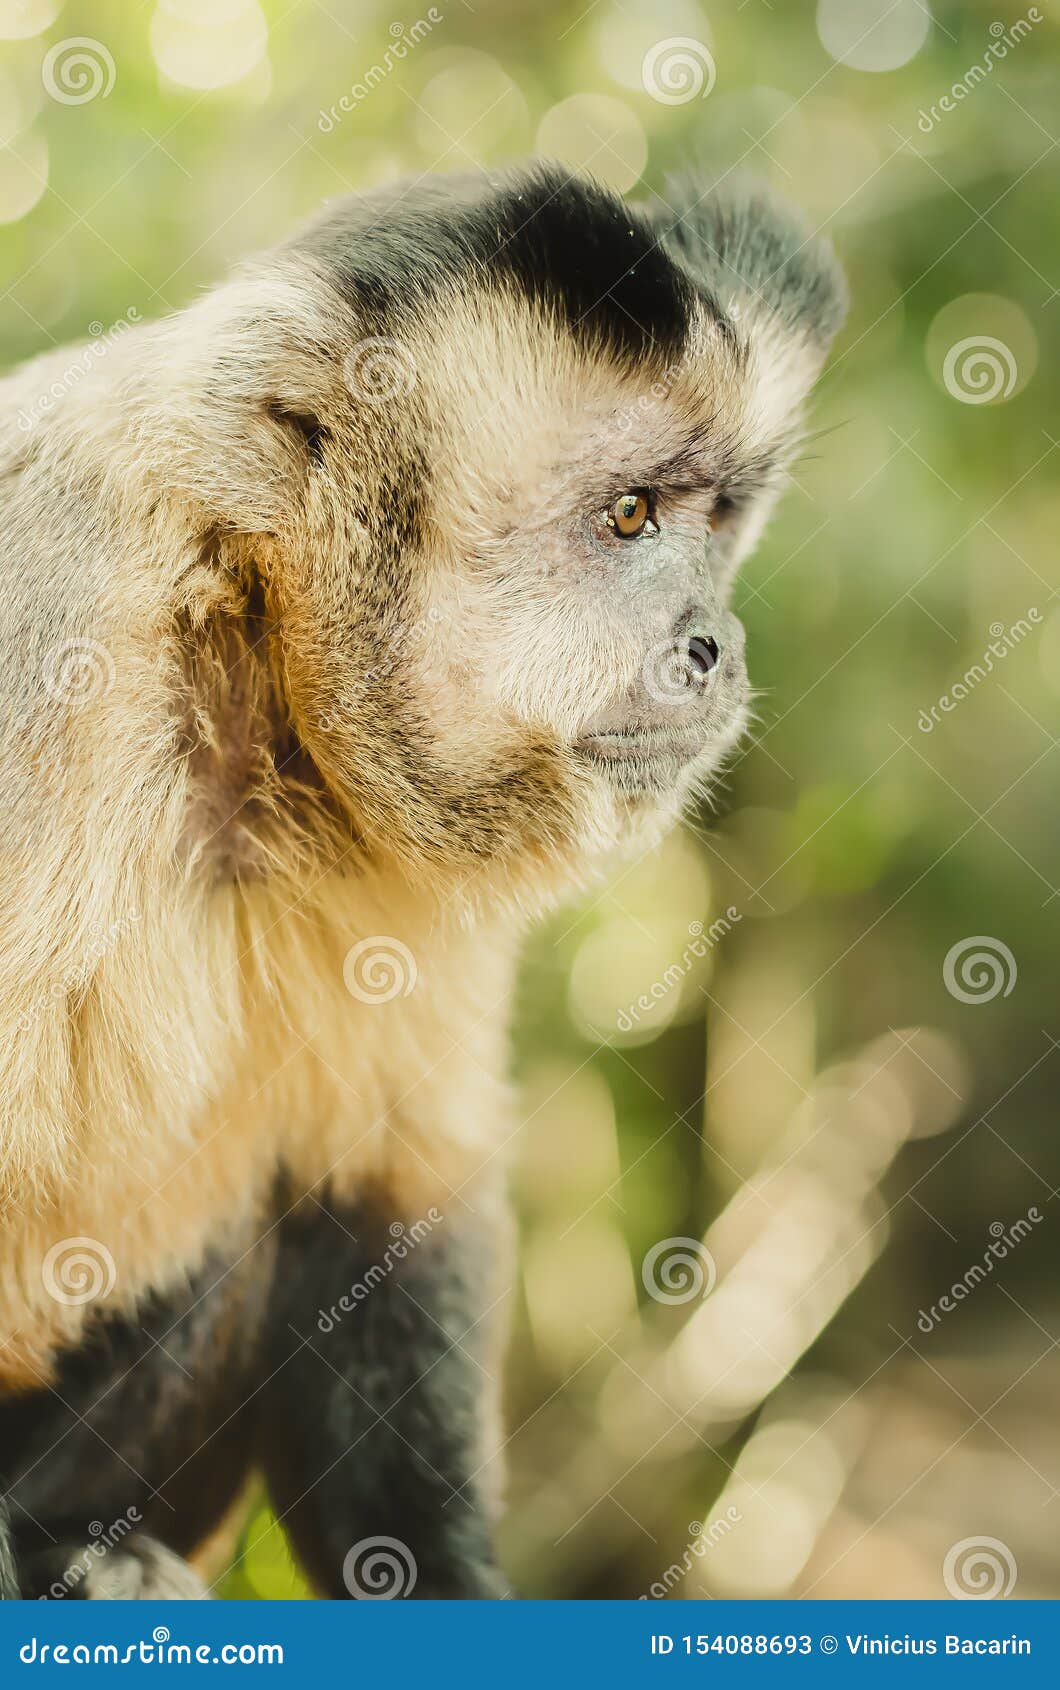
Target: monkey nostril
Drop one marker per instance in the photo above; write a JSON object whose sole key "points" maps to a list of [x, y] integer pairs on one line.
{"points": [[703, 654]]}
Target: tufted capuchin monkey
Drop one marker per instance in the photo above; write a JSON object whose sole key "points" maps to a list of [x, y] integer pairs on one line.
{"points": [[350, 617]]}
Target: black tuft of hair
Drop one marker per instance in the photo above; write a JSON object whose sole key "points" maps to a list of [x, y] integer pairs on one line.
{"points": [[741, 238], [565, 243]]}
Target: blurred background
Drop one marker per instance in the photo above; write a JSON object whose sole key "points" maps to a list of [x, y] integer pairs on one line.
{"points": [[787, 1316]]}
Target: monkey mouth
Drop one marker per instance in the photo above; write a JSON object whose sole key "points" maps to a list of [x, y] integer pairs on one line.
{"points": [[640, 761]]}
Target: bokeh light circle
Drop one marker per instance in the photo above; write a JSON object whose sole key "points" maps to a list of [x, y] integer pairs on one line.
{"points": [[981, 349], [596, 133], [873, 35]]}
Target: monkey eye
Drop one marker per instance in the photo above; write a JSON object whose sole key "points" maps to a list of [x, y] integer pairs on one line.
{"points": [[630, 515]]}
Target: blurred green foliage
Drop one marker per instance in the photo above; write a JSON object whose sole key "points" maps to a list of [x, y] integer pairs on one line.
{"points": [[856, 848]]}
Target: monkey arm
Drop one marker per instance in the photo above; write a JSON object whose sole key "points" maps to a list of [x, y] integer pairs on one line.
{"points": [[376, 1420]]}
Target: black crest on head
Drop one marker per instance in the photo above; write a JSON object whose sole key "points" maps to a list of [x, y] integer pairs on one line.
{"points": [[565, 243]]}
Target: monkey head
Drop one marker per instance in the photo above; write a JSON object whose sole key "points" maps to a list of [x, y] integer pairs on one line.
{"points": [[527, 433]]}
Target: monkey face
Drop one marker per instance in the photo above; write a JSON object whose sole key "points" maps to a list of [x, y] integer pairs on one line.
{"points": [[551, 426], [583, 585]]}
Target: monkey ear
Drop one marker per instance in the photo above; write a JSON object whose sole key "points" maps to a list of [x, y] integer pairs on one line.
{"points": [[752, 256], [779, 292]]}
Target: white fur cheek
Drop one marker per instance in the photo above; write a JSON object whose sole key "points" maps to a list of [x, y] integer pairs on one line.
{"points": [[552, 663], [529, 651]]}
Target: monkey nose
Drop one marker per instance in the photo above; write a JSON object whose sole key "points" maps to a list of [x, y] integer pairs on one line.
{"points": [[701, 655]]}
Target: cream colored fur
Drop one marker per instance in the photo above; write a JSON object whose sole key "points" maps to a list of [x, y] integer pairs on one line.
{"points": [[178, 1033]]}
